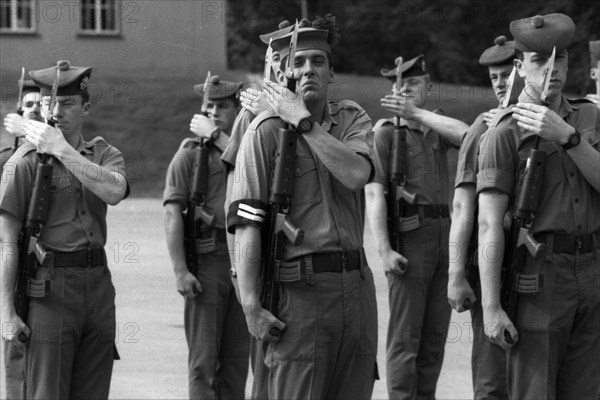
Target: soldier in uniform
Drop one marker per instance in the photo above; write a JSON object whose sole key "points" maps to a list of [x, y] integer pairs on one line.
{"points": [[595, 70], [327, 310], [71, 329], [13, 355], [218, 341], [30, 104], [419, 311], [488, 361], [554, 342]]}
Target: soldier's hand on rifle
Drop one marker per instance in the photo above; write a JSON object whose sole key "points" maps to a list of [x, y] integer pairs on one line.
{"points": [[460, 294], [542, 121], [488, 116], [12, 328], [394, 262], [254, 100], [202, 126], [47, 139], [499, 328], [188, 285], [289, 106], [13, 123], [262, 324], [400, 106]]}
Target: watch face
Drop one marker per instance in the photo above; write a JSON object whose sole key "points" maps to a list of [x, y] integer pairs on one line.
{"points": [[305, 125], [575, 139]]}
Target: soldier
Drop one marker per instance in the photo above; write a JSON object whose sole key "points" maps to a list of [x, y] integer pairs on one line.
{"points": [[595, 70], [30, 105], [217, 340], [554, 341], [13, 355], [488, 361], [327, 310], [71, 329], [419, 311]]}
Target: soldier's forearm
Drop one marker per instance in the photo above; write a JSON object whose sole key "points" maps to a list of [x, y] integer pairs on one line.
{"points": [[247, 265]]}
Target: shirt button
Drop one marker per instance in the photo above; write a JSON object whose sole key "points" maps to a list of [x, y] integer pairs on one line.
{"points": [[83, 212], [91, 233], [576, 200], [298, 171], [78, 190], [572, 173]]}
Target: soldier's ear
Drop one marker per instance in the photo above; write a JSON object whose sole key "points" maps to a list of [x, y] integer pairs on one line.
{"points": [[331, 75], [87, 106], [518, 64]]}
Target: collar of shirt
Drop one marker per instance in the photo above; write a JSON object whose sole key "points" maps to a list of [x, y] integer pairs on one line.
{"points": [[84, 147]]}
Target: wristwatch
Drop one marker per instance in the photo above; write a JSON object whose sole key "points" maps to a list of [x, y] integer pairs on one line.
{"points": [[574, 140], [304, 125]]}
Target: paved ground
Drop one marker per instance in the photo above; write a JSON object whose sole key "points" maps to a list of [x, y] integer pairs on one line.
{"points": [[150, 334]]}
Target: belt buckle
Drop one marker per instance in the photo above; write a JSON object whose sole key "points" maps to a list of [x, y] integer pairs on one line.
{"points": [[578, 244], [90, 258], [344, 261]]}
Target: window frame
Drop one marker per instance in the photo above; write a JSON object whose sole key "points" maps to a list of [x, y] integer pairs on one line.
{"points": [[98, 31], [33, 17]]}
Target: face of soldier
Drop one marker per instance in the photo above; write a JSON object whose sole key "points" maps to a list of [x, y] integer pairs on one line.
{"points": [[222, 113], [499, 75], [414, 89], [68, 113], [313, 74], [531, 68], [31, 105]]}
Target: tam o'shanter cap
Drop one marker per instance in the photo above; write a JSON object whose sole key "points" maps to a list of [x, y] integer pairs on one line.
{"points": [[218, 89], [502, 52], [284, 28], [308, 39], [594, 53], [540, 34], [413, 67], [30, 87], [73, 80]]}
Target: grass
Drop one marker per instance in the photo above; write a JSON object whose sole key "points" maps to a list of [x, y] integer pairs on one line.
{"points": [[147, 117]]}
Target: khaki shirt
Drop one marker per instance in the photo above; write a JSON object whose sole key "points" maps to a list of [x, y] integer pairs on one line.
{"points": [[568, 203], [466, 170], [181, 172], [241, 123], [76, 216], [427, 165], [331, 215]]}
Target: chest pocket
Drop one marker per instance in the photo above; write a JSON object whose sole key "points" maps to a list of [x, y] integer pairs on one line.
{"points": [[415, 160], [307, 188], [62, 204], [553, 174]]}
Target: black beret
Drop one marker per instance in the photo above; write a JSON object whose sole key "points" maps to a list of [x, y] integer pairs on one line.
{"points": [[72, 81], [414, 67], [542, 33], [218, 89], [30, 87], [502, 52]]}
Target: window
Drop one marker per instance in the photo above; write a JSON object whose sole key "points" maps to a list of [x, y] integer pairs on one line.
{"points": [[17, 16], [99, 17]]}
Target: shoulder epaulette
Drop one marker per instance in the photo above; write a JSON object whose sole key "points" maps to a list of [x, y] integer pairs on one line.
{"points": [[337, 106], [189, 143], [95, 141], [262, 117], [382, 122], [24, 149], [580, 100], [502, 114]]}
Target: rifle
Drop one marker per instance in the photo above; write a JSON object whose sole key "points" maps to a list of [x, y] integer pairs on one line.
{"points": [[196, 218], [32, 253], [282, 188], [397, 195], [513, 281]]}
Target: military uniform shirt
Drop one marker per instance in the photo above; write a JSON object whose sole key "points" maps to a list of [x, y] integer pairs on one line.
{"points": [[426, 174], [241, 123], [76, 216], [568, 204], [330, 214], [181, 173], [466, 171]]}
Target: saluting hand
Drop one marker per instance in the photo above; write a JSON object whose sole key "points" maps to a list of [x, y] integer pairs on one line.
{"points": [[13, 123], [47, 139], [400, 106], [542, 121], [202, 126], [254, 100], [289, 106]]}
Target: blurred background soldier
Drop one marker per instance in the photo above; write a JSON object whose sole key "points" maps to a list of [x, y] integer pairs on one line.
{"points": [[553, 331], [595, 70], [30, 106], [74, 293], [418, 271], [14, 362], [324, 280], [488, 361], [218, 341]]}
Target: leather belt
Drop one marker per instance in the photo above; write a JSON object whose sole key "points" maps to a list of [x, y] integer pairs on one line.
{"points": [[82, 258], [336, 262], [427, 211], [569, 244], [303, 268]]}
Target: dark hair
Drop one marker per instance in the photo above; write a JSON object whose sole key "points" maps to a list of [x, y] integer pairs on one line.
{"points": [[519, 54], [85, 96]]}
